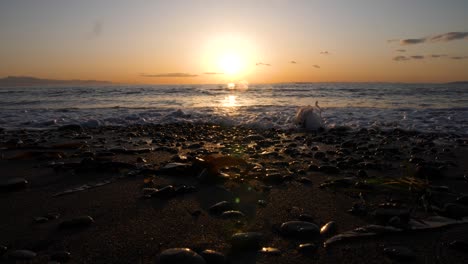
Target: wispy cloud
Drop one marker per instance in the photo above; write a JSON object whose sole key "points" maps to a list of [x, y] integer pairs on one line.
{"points": [[213, 73], [438, 55], [459, 57], [431, 56], [262, 64], [325, 52], [450, 36], [172, 74], [317, 66], [401, 50], [417, 57], [293, 62], [96, 30], [401, 58]]}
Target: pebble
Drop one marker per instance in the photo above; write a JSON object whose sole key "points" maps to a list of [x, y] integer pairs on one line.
{"points": [[165, 192], [213, 257], [399, 253], [180, 256], [40, 219], [249, 240], [299, 229], [305, 180], [328, 169], [232, 214], [80, 221], [270, 251], [328, 229], [22, 255], [307, 248], [220, 207], [13, 184]]}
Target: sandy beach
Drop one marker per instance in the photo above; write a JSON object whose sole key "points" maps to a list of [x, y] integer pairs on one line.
{"points": [[127, 194]]}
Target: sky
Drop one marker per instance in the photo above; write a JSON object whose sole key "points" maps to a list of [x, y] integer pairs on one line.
{"points": [[263, 41]]}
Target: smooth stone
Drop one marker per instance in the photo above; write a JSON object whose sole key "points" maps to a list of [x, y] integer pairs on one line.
{"points": [[305, 180], [307, 248], [328, 229], [80, 221], [220, 207], [22, 255], [270, 251], [328, 169], [13, 184], [165, 192], [61, 256], [149, 191], [249, 240], [232, 214], [213, 257], [306, 218], [399, 253], [455, 210], [383, 215], [299, 229], [40, 219], [319, 155], [180, 256]]}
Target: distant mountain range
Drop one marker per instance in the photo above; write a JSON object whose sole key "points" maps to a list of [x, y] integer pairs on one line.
{"points": [[33, 81]]}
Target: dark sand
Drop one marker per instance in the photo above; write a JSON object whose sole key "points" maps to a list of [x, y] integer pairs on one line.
{"points": [[129, 228]]}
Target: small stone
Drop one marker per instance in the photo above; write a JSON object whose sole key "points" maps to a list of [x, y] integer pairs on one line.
{"points": [[307, 248], [399, 253], [306, 218], [165, 192], [232, 214], [213, 257], [61, 256], [305, 180], [249, 240], [180, 255], [149, 191], [328, 169], [319, 155], [270, 251], [299, 229], [262, 203], [22, 255], [78, 222], [328, 229], [13, 184], [141, 160], [40, 219], [220, 207]]}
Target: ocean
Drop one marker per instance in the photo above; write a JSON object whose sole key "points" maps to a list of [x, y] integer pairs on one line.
{"points": [[440, 108]]}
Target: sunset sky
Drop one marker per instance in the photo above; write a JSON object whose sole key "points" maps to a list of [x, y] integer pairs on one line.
{"points": [[150, 41]]}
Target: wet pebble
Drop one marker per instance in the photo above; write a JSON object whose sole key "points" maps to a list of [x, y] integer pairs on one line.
{"points": [[328, 229], [399, 253], [220, 207], [307, 248], [299, 229], [22, 255], [77, 222], [165, 192], [305, 180], [270, 251], [232, 214], [180, 255], [248, 240], [40, 219], [213, 257]]}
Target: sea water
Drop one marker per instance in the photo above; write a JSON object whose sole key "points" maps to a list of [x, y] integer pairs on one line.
{"points": [[422, 107]]}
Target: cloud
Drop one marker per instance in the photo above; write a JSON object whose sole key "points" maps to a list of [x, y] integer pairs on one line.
{"points": [[213, 73], [317, 66], [324, 52], [96, 30], [438, 55], [401, 50], [417, 57], [293, 62], [459, 57], [173, 74], [401, 58], [262, 64], [450, 36]]}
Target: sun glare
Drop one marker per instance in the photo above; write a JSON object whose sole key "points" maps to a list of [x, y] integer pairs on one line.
{"points": [[230, 63]]}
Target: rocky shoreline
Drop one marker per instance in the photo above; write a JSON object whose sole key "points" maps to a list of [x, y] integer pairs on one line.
{"points": [[187, 193]]}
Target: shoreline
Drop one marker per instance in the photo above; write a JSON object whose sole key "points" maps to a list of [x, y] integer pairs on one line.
{"points": [[117, 176]]}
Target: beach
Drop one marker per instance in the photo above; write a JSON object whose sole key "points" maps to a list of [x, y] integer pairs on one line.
{"points": [[126, 194]]}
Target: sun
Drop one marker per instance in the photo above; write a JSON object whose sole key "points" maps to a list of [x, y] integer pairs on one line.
{"points": [[230, 63]]}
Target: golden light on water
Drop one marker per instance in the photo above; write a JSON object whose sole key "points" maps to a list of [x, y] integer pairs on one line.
{"points": [[230, 101]]}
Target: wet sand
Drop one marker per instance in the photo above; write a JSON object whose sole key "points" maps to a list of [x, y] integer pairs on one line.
{"points": [[119, 176]]}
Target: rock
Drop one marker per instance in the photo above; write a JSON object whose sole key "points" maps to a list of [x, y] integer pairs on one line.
{"points": [[428, 172], [358, 209], [270, 251], [213, 257], [305, 180], [165, 192], [455, 210], [40, 219], [383, 215], [299, 229], [22, 255], [262, 203], [307, 248], [328, 229], [232, 214], [306, 218], [184, 189], [221, 207], [180, 256], [399, 253], [319, 155], [77, 222], [61, 256], [13, 184], [313, 167], [247, 241], [273, 178]]}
